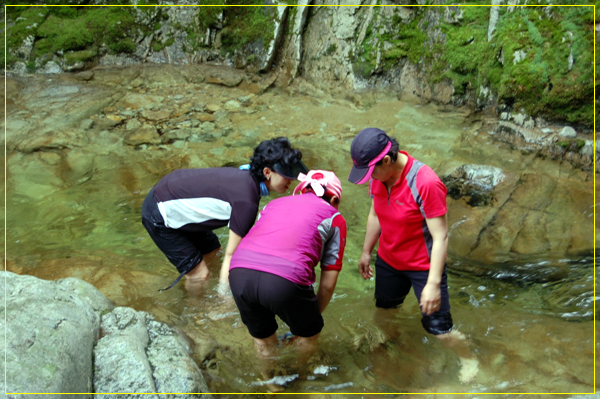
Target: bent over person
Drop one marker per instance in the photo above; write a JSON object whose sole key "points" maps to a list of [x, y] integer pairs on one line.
{"points": [[408, 218], [273, 269], [182, 210]]}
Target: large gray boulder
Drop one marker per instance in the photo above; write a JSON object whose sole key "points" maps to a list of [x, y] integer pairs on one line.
{"points": [[64, 337], [138, 354], [51, 327]]}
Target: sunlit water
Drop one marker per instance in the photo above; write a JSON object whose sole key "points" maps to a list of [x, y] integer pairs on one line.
{"points": [[531, 332]]}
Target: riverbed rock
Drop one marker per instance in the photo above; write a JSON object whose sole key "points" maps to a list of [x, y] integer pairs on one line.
{"points": [[568, 132], [146, 355], [226, 77], [84, 76], [65, 336], [143, 135], [53, 140], [476, 182], [50, 332], [140, 101]]}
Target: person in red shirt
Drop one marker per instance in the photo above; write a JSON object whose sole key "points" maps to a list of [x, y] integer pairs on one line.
{"points": [[408, 218]]}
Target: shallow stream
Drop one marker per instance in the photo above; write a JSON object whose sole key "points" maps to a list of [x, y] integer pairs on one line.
{"points": [[531, 329]]}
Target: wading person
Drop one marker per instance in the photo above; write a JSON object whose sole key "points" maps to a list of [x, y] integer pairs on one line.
{"points": [[273, 269], [182, 210], [408, 218]]}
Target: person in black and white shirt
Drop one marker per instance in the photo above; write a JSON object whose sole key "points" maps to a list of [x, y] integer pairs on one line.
{"points": [[182, 210]]}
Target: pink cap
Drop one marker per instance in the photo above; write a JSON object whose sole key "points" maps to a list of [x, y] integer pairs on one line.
{"points": [[321, 182]]}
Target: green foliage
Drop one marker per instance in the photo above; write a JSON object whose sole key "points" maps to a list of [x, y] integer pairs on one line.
{"points": [[541, 82], [208, 14], [63, 34], [123, 46], [63, 12], [111, 25], [247, 24], [572, 145], [76, 31], [407, 41], [26, 20], [78, 56]]}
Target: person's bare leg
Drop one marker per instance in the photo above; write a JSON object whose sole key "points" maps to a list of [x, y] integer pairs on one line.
{"points": [[385, 319], [265, 351], [201, 272], [306, 346], [469, 365]]}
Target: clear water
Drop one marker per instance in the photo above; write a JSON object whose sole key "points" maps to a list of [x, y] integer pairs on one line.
{"points": [[532, 332]]}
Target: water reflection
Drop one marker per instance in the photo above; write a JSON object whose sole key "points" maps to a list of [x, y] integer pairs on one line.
{"points": [[529, 322]]}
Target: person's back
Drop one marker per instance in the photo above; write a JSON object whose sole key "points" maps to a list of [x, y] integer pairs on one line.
{"points": [[289, 236]]}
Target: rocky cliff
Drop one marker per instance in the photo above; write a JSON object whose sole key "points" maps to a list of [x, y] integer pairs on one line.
{"points": [[514, 58]]}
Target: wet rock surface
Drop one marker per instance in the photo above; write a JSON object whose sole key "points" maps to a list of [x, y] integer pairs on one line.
{"points": [[64, 336], [138, 354], [50, 334]]}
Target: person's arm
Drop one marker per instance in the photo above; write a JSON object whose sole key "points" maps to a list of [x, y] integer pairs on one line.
{"points": [[326, 287], [431, 295], [371, 237], [232, 244]]}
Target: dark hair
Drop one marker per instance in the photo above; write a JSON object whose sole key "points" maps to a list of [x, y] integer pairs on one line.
{"points": [[393, 152], [270, 152]]}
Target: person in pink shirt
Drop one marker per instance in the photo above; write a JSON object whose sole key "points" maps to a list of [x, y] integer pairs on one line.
{"points": [[408, 219], [272, 271]]}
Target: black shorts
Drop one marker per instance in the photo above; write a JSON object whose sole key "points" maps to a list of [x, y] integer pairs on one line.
{"points": [[260, 296], [184, 249], [392, 286]]}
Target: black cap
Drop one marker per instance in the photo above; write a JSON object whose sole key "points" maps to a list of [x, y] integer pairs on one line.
{"points": [[368, 147], [290, 171]]}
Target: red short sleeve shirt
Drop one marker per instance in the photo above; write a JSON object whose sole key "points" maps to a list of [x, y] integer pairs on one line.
{"points": [[405, 242]]}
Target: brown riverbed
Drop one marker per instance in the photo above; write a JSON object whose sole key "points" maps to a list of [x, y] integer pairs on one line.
{"points": [[82, 154]]}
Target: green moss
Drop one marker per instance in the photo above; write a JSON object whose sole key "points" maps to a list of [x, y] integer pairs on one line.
{"points": [[111, 25], [331, 49], [169, 42], [407, 41], [26, 20], [541, 82], [572, 145], [209, 12], [64, 34], [71, 30], [364, 69], [246, 25], [78, 56], [126, 46]]}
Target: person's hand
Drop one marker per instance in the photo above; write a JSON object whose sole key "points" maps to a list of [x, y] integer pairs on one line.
{"points": [[431, 299], [364, 266]]}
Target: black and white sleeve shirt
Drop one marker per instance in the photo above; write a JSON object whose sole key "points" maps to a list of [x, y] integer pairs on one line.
{"points": [[206, 199]]}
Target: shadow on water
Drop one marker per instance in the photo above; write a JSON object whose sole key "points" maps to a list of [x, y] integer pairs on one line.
{"points": [[529, 323]]}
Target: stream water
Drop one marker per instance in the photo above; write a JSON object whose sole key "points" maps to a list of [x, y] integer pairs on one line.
{"points": [[531, 330]]}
